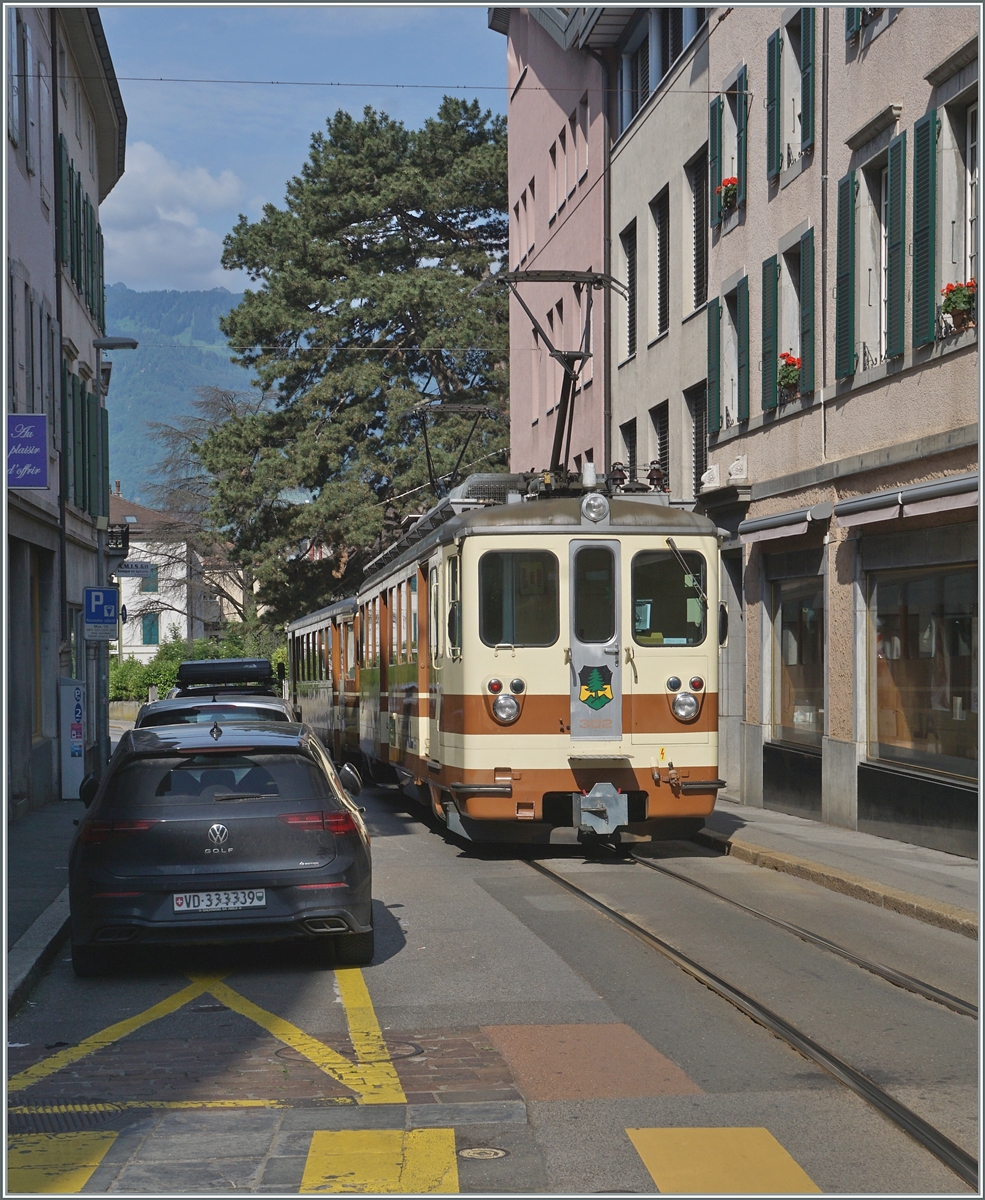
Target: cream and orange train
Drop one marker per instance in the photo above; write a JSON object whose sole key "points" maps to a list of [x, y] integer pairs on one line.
{"points": [[531, 663]]}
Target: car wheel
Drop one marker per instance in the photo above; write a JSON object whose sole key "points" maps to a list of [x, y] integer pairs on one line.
{"points": [[89, 961], [355, 949]]}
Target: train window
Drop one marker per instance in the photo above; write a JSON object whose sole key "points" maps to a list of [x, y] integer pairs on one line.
{"points": [[455, 606], [413, 619], [668, 609], [350, 650], [376, 632], [394, 598], [518, 598], [404, 618], [595, 594], [433, 625]]}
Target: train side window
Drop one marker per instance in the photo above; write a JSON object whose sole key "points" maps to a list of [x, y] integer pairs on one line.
{"points": [[667, 606], [518, 598], [393, 597], [376, 632], [595, 594], [455, 606], [433, 622], [350, 650], [413, 619]]}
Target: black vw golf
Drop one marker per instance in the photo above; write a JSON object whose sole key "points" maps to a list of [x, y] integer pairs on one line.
{"points": [[202, 834]]}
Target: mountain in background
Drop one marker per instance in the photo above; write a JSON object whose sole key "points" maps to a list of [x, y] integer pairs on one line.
{"points": [[181, 349]]}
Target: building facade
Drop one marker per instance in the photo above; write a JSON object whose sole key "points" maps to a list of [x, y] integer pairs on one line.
{"points": [[557, 222], [804, 369], [66, 137]]}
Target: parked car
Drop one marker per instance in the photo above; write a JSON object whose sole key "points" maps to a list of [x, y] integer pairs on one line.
{"points": [[233, 832], [207, 711], [219, 689]]}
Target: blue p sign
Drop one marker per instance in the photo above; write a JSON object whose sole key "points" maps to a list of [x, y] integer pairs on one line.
{"points": [[101, 605]]}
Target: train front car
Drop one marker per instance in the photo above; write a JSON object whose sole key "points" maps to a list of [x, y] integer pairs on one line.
{"points": [[572, 670]]}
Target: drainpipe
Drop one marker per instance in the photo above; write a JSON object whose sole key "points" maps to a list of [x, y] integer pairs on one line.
{"points": [[57, 381], [824, 223]]}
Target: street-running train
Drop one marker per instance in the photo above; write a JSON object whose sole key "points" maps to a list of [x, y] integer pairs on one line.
{"points": [[530, 659]]}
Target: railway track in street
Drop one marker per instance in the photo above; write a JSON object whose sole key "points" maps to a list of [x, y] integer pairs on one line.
{"points": [[937, 1143], [899, 978]]}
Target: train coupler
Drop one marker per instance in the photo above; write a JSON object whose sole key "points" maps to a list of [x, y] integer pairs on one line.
{"points": [[602, 811]]}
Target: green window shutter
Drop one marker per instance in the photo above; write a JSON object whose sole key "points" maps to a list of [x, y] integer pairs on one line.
{"points": [[925, 229], [806, 78], [845, 279], [742, 317], [64, 202], [741, 121], [76, 226], [853, 22], [773, 158], [807, 313], [80, 442], [769, 333], [104, 482], [67, 478], [896, 247], [92, 498], [715, 160], [714, 366]]}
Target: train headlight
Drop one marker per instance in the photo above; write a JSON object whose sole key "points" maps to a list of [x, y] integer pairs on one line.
{"points": [[685, 706], [506, 709], [595, 507]]}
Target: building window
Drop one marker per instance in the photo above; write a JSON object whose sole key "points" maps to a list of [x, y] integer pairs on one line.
{"points": [[151, 629], [697, 402], [628, 240], [149, 583], [629, 440], [971, 193], [660, 211], [790, 92], [734, 370], [923, 675], [880, 254], [798, 661], [697, 175], [660, 418]]}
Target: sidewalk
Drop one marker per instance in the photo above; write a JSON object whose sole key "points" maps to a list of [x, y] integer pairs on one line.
{"points": [[941, 889]]}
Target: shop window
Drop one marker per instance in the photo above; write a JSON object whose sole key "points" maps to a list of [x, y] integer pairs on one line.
{"points": [[518, 598], [923, 669], [798, 661], [151, 629]]}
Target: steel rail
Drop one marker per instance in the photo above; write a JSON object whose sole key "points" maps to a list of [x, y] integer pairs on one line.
{"points": [[958, 1160], [899, 978]]}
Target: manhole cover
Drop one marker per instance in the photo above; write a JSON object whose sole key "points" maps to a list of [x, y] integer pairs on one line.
{"points": [[483, 1152]]}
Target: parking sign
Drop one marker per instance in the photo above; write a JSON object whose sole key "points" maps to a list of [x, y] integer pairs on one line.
{"points": [[102, 608]]}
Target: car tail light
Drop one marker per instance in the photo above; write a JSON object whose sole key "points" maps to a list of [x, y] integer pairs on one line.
{"points": [[333, 822], [311, 887], [94, 833]]}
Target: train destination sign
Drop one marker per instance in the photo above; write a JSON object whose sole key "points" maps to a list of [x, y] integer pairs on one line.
{"points": [[27, 450]]}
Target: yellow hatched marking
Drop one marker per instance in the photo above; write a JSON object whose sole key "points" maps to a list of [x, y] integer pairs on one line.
{"points": [[382, 1161], [366, 1035], [723, 1162], [54, 1163], [375, 1082], [106, 1037]]}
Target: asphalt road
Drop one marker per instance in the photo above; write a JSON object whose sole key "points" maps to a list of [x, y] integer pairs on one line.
{"points": [[508, 1037]]}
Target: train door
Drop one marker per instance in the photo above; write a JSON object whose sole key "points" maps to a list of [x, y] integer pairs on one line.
{"points": [[595, 605]]}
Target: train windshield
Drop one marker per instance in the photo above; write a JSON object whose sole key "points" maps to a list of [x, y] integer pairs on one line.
{"points": [[518, 598], [668, 608]]}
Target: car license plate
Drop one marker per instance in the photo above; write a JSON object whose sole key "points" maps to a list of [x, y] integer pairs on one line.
{"points": [[220, 901]]}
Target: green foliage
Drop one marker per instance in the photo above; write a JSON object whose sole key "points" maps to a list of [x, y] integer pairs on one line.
{"points": [[130, 679], [366, 308], [181, 350]]}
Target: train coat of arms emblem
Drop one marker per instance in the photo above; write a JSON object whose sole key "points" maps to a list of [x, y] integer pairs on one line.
{"points": [[596, 686]]}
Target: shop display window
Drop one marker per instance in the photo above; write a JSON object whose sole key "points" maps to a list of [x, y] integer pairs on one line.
{"points": [[798, 661], [923, 669]]}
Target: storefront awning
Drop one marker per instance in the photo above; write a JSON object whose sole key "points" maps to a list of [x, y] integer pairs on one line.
{"points": [[916, 500], [782, 525]]}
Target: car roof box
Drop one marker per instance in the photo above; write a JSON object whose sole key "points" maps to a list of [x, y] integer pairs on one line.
{"points": [[214, 671]]}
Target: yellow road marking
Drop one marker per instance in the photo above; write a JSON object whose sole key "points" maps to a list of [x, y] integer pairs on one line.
{"points": [[366, 1035], [382, 1161], [723, 1162], [106, 1037], [374, 1081], [113, 1106], [54, 1162]]}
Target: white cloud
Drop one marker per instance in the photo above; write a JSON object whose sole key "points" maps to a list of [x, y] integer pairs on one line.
{"points": [[155, 224]]}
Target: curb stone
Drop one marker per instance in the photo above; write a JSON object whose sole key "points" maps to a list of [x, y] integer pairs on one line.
{"points": [[931, 912], [34, 950]]}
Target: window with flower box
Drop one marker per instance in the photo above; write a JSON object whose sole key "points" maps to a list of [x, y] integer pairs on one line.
{"points": [[727, 126]]}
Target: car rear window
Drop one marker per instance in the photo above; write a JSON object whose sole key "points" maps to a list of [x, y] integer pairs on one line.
{"points": [[207, 714], [195, 778]]}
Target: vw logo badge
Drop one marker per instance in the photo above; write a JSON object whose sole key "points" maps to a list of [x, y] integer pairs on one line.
{"points": [[218, 835]]}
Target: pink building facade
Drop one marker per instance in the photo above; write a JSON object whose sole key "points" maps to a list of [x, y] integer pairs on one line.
{"points": [[557, 222]]}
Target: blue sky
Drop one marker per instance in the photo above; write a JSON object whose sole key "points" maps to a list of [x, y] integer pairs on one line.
{"points": [[198, 154]]}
